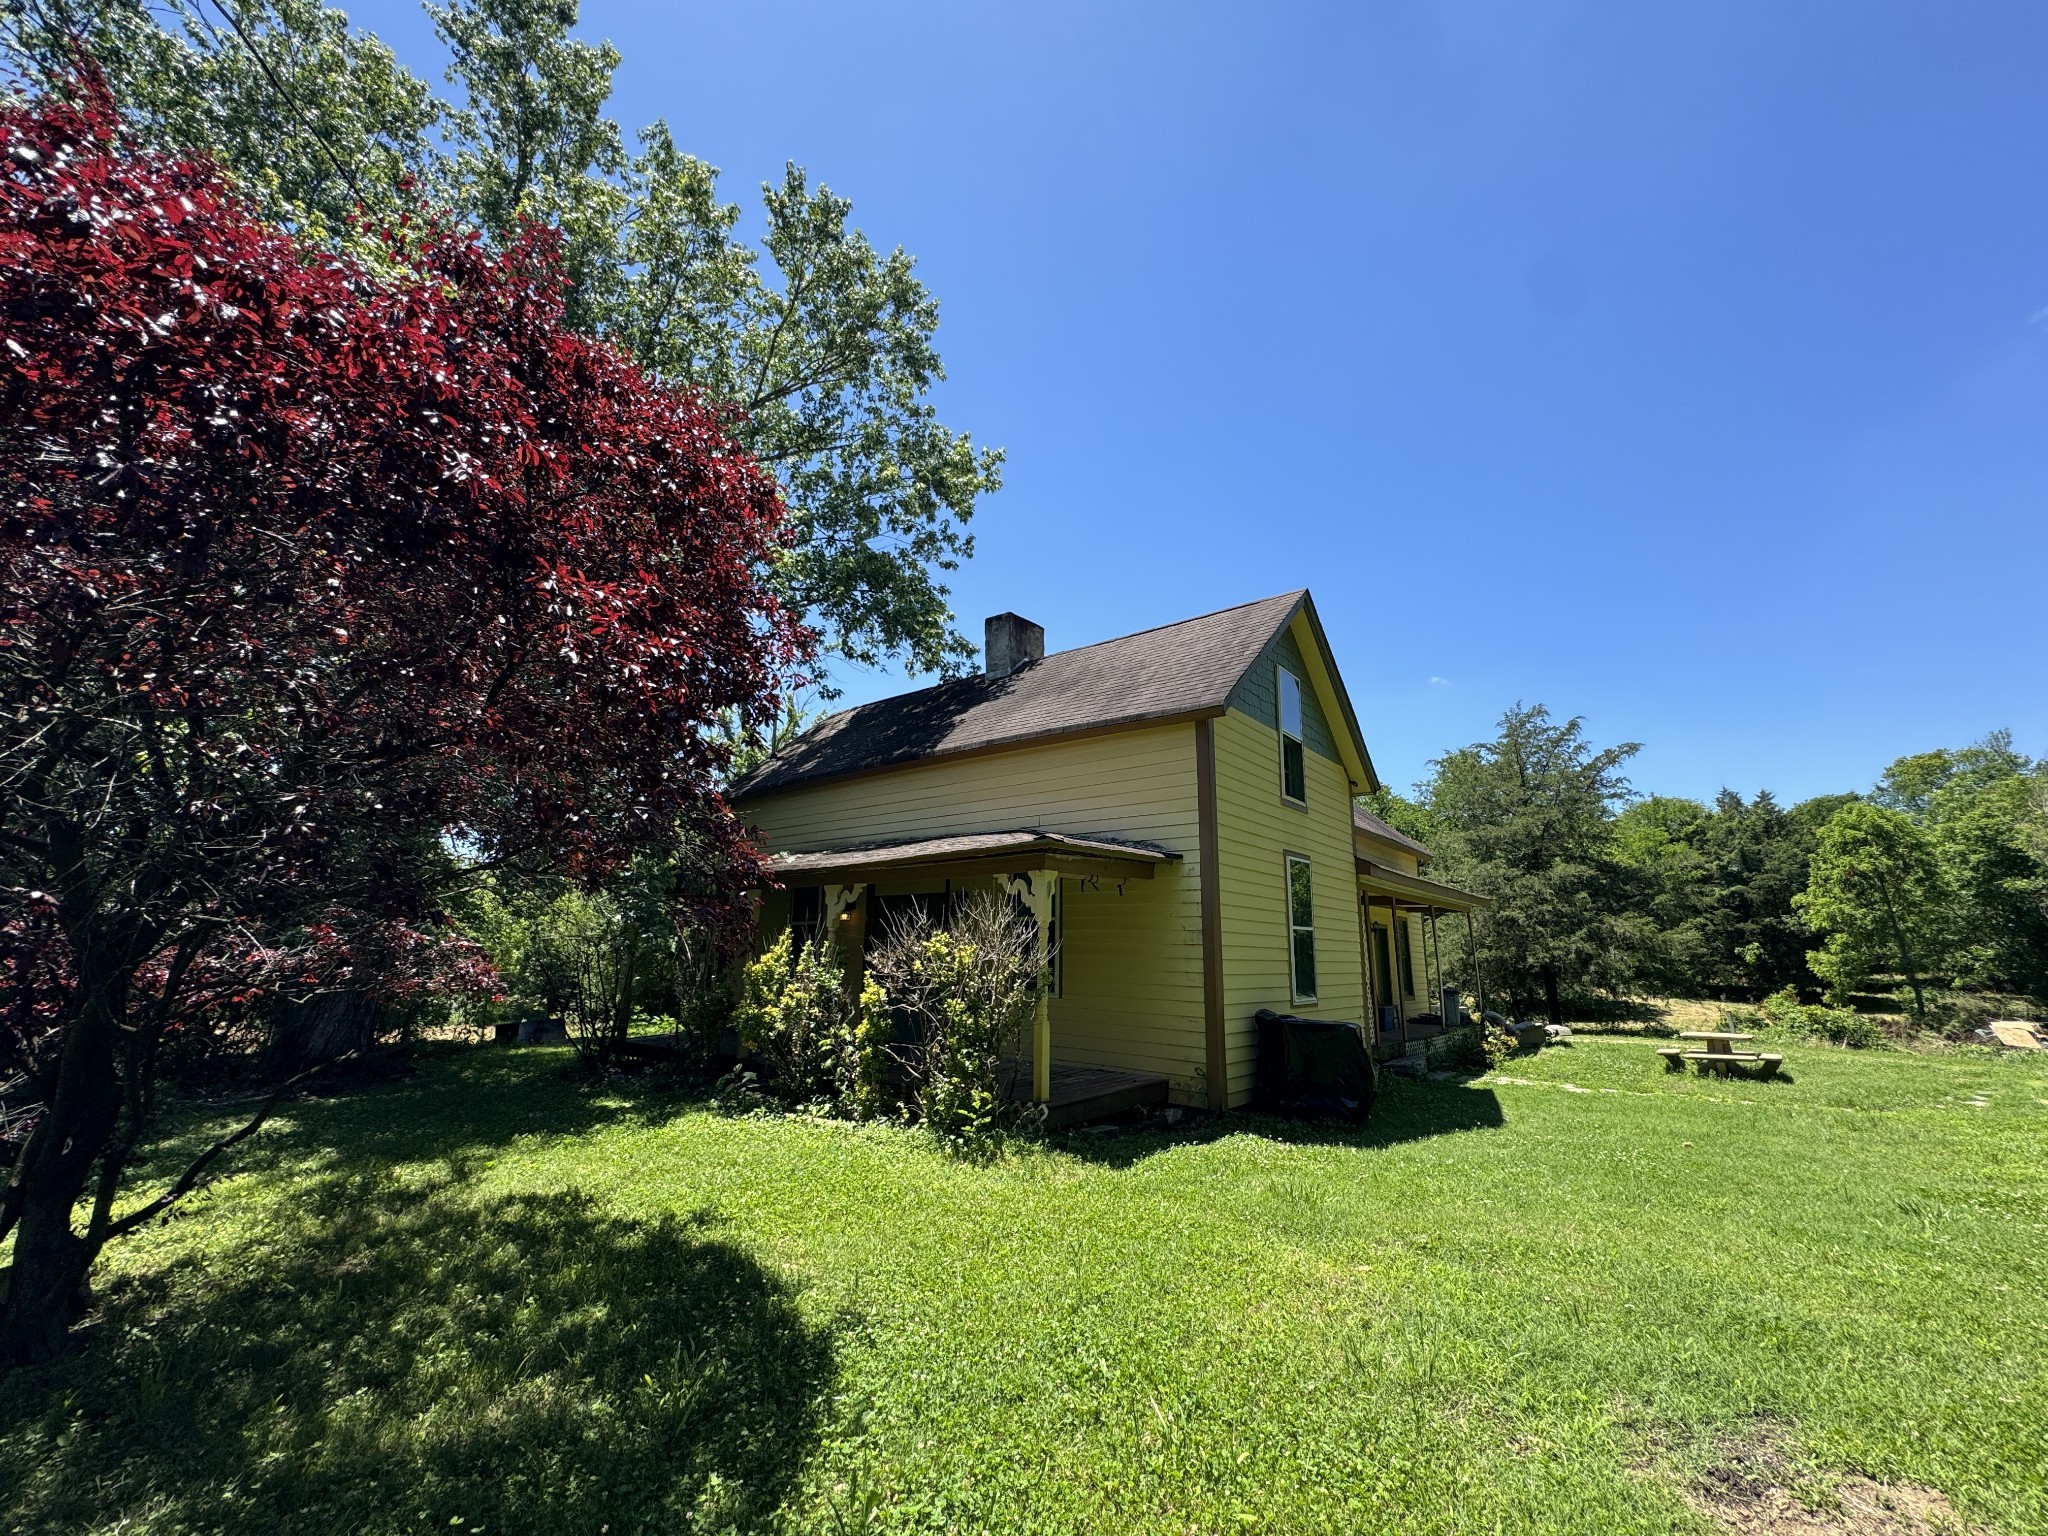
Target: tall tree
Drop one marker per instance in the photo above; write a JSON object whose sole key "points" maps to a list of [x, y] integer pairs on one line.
{"points": [[304, 567], [1977, 802], [1754, 859], [826, 359], [1526, 819], [1877, 892]]}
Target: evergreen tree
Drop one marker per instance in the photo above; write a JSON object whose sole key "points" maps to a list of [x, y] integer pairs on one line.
{"points": [[1527, 820]]}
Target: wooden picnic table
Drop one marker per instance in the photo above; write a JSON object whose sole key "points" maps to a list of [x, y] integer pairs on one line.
{"points": [[1720, 1054]]}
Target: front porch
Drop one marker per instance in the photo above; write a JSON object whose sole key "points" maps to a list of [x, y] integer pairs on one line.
{"points": [[850, 895], [1081, 1093], [1405, 1020]]}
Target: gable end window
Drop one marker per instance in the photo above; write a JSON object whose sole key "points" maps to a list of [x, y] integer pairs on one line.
{"points": [[1293, 758], [1301, 929]]}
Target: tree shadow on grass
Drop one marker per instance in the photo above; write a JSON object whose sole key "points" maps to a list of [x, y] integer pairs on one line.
{"points": [[1404, 1111], [465, 1101], [400, 1358]]}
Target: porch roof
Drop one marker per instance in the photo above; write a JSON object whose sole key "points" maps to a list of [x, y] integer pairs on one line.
{"points": [[1414, 891], [973, 853]]}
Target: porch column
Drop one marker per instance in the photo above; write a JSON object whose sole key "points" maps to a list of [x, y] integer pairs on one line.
{"points": [[1038, 890], [1478, 975]]}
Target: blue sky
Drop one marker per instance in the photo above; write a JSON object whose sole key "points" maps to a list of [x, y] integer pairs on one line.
{"points": [[1684, 367]]}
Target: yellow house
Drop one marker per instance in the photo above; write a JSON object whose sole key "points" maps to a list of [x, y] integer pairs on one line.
{"points": [[1175, 806]]}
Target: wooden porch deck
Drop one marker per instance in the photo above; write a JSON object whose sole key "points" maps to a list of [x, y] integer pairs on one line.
{"points": [[1082, 1093]]}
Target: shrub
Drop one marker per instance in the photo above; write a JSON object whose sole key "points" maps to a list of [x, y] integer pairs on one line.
{"points": [[1480, 1047], [819, 1041], [1958, 1015], [1784, 1012], [967, 989]]}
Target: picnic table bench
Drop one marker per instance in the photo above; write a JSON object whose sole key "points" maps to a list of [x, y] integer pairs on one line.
{"points": [[1720, 1054]]}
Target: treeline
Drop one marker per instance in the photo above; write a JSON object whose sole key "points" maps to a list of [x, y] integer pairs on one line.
{"points": [[1928, 892]]}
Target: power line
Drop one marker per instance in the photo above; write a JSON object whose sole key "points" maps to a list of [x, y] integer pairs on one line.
{"points": [[286, 97]]}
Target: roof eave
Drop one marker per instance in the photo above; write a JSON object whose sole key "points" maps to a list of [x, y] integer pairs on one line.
{"points": [[740, 792]]}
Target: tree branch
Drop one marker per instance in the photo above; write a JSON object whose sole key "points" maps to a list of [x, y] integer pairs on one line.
{"points": [[187, 1181]]}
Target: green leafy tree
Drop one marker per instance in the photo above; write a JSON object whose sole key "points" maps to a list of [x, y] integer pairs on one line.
{"points": [[1876, 890], [1978, 803], [1721, 887], [314, 118], [2001, 883], [1527, 820], [1919, 784], [824, 353], [1657, 830], [1657, 839]]}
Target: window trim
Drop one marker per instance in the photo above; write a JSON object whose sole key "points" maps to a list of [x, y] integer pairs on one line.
{"points": [[1287, 863], [1300, 738]]}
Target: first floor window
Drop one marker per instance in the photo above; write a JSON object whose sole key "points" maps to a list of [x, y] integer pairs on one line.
{"points": [[1301, 929]]}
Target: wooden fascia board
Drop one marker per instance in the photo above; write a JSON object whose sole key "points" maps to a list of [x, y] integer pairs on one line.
{"points": [[1020, 744], [1108, 868], [1416, 891]]}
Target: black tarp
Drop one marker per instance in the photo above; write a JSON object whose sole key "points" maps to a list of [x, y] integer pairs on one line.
{"points": [[1313, 1068]]}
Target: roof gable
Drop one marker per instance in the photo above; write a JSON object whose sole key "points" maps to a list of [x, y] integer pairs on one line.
{"points": [[1329, 725], [1176, 671], [1329, 684], [1258, 694]]}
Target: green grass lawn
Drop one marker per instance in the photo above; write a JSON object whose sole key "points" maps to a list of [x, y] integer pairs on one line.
{"points": [[495, 1298]]}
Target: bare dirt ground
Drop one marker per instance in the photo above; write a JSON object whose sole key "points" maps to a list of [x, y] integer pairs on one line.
{"points": [[1752, 1487]]}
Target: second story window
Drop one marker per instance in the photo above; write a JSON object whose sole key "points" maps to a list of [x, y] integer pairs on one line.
{"points": [[1293, 762]]}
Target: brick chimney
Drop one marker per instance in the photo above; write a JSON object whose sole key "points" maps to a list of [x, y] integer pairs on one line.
{"points": [[1009, 641]]}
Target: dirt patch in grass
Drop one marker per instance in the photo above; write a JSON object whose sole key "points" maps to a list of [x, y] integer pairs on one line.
{"points": [[1751, 1488]]}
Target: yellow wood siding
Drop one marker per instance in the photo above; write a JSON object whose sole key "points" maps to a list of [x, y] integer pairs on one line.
{"points": [[1385, 854], [1256, 830], [1132, 956]]}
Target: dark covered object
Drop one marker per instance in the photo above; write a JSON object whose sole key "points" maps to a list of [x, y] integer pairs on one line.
{"points": [[1313, 1067]]}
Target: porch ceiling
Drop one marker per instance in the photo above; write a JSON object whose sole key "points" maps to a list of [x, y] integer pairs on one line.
{"points": [[973, 853], [1414, 891]]}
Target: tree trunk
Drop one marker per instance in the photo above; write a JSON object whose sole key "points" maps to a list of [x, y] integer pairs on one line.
{"points": [[1906, 964], [46, 1284], [1552, 1007], [321, 1028]]}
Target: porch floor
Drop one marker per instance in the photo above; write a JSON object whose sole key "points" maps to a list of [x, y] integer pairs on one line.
{"points": [[1083, 1093]]}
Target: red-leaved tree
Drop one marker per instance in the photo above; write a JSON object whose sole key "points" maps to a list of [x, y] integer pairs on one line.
{"points": [[310, 572]]}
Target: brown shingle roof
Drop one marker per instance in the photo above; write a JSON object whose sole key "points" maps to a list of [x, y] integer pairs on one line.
{"points": [[1370, 824], [1182, 669]]}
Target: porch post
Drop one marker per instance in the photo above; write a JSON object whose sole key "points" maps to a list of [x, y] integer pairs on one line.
{"points": [[1478, 974], [1436, 950], [1041, 884]]}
